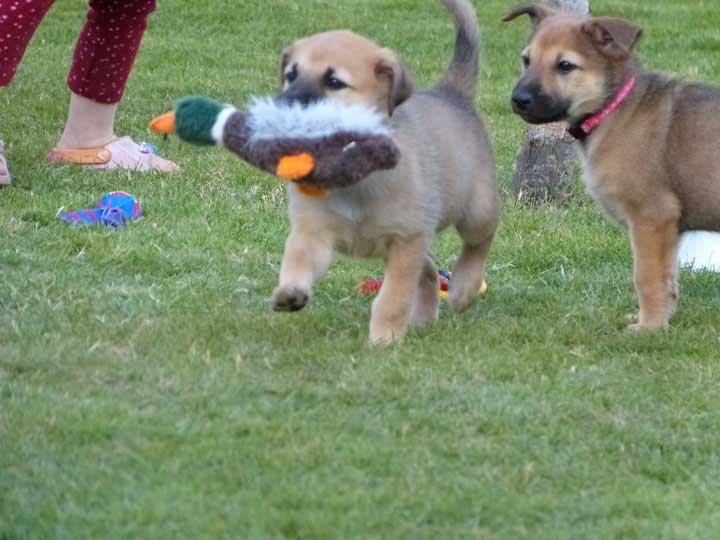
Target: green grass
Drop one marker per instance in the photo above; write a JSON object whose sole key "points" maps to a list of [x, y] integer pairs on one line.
{"points": [[147, 391]]}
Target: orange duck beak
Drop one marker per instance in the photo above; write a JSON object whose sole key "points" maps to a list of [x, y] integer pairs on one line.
{"points": [[164, 124]]}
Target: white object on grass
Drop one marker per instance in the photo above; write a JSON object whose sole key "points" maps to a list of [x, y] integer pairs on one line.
{"points": [[700, 250]]}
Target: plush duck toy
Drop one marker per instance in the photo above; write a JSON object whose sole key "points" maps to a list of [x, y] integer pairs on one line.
{"points": [[323, 146]]}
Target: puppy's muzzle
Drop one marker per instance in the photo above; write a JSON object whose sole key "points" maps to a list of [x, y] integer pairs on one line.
{"points": [[522, 100], [535, 106], [300, 92]]}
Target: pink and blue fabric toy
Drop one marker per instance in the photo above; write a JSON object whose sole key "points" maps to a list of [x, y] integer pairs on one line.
{"points": [[114, 210]]}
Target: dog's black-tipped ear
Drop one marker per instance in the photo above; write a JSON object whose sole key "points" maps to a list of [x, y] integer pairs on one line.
{"points": [[398, 82], [614, 38], [537, 13]]}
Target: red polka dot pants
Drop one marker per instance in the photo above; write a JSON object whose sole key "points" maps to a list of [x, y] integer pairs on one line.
{"points": [[105, 50]]}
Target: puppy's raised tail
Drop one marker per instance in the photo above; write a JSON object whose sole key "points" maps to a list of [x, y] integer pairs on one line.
{"points": [[462, 75]]}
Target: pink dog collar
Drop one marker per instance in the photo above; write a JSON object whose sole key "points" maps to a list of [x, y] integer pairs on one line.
{"points": [[599, 117]]}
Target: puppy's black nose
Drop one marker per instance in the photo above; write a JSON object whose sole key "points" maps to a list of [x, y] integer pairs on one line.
{"points": [[304, 94], [522, 99]]}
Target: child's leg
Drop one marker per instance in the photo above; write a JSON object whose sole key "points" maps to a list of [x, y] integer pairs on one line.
{"points": [[103, 59], [18, 21], [107, 47]]}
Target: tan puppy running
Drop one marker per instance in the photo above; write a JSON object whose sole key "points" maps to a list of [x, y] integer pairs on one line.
{"points": [[649, 144], [446, 176]]}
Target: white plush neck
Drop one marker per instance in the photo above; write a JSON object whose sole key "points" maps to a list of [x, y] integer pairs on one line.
{"points": [[218, 128], [269, 119]]}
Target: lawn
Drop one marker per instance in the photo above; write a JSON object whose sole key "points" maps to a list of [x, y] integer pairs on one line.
{"points": [[148, 391]]}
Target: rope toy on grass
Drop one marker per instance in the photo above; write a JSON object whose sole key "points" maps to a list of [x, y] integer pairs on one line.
{"points": [[114, 210], [322, 146]]}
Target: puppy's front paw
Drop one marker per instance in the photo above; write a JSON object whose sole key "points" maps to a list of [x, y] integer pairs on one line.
{"points": [[289, 299], [646, 324], [646, 327]]}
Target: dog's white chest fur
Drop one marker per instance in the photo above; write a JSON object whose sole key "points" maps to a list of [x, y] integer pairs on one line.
{"points": [[357, 231], [347, 208], [595, 187], [357, 225]]}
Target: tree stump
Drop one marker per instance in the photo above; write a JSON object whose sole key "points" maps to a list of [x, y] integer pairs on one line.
{"points": [[546, 164]]}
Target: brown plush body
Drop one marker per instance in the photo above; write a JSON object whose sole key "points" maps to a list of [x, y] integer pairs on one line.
{"points": [[653, 164], [446, 176], [341, 159]]}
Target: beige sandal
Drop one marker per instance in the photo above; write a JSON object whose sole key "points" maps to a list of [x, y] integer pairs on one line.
{"points": [[80, 156], [4, 171], [123, 153]]}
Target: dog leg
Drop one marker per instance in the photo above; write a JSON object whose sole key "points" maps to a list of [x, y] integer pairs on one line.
{"points": [[469, 271], [427, 302], [392, 309], [307, 257], [655, 250]]}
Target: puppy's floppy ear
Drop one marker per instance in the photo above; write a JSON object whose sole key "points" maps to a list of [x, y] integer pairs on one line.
{"points": [[398, 82], [284, 59], [537, 12], [614, 38]]}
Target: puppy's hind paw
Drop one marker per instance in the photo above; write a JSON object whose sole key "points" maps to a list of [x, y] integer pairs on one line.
{"points": [[462, 298], [385, 334], [386, 339], [289, 299]]}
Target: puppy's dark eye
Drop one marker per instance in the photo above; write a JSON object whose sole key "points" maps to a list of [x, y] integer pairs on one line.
{"points": [[335, 84], [291, 75], [566, 67], [526, 61]]}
